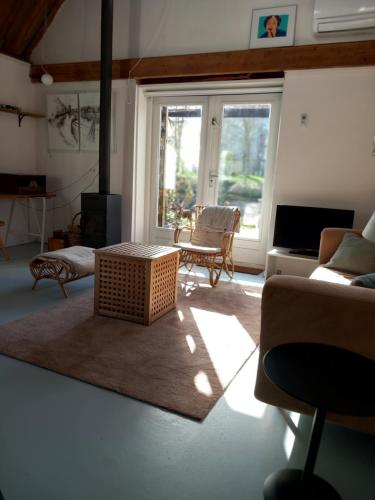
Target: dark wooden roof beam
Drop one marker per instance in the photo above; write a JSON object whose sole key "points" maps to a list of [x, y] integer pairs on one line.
{"points": [[253, 61], [23, 23]]}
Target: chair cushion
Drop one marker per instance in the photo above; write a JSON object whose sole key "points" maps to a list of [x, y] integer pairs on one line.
{"points": [[354, 255], [203, 238], [197, 248]]}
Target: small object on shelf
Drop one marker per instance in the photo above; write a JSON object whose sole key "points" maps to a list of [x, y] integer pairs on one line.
{"points": [[14, 110], [22, 184], [8, 107]]}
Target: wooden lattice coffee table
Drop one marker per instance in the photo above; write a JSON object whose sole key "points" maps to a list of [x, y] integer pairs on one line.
{"points": [[135, 282]]}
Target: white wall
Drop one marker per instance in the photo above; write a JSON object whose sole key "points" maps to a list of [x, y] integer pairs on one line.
{"points": [[165, 27], [328, 162], [78, 171], [17, 144]]}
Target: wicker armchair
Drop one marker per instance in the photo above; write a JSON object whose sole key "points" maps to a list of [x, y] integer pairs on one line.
{"points": [[211, 239], [2, 246]]}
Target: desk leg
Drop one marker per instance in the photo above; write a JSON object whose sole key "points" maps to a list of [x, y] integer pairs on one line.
{"points": [[34, 209], [43, 228], [9, 223]]}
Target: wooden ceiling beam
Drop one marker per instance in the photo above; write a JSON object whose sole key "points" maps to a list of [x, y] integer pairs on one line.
{"points": [[330, 55]]}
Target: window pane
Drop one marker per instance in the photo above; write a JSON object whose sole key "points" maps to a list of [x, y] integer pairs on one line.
{"points": [[180, 133], [243, 158]]}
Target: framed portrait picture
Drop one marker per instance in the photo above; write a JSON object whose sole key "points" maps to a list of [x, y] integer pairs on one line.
{"points": [[273, 27]]}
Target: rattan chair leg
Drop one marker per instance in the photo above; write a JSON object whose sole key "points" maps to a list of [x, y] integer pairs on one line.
{"points": [[214, 271], [212, 279], [229, 271], [63, 289]]}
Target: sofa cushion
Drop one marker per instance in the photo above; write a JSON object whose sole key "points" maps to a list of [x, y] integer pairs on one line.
{"points": [[354, 255], [365, 280], [332, 275]]}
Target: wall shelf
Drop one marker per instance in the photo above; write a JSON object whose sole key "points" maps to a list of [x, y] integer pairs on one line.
{"points": [[21, 114]]}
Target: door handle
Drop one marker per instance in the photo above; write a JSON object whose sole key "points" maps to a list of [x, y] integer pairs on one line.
{"points": [[211, 178]]}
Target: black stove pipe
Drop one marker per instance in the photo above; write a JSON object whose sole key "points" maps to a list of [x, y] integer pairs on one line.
{"points": [[105, 96]]}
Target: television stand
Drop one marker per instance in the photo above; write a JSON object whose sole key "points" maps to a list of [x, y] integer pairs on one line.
{"points": [[282, 261], [304, 251]]}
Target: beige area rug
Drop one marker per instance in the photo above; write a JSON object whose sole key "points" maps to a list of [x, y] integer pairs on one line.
{"points": [[182, 362]]}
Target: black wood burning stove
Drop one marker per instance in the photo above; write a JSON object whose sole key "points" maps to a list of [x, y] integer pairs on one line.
{"points": [[101, 212], [100, 219]]}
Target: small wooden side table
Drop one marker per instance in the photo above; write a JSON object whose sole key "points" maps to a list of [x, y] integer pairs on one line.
{"points": [[135, 282]]}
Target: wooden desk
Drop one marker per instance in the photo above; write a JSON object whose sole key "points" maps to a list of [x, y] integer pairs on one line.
{"points": [[31, 198]]}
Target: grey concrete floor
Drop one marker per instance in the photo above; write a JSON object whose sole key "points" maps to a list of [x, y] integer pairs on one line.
{"points": [[63, 439]]}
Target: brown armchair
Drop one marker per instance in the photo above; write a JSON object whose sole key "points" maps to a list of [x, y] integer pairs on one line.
{"points": [[211, 238], [296, 309]]}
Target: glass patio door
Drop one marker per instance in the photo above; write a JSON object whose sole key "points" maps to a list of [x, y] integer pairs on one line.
{"points": [[178, 155], [244, 131], [215, 150]]}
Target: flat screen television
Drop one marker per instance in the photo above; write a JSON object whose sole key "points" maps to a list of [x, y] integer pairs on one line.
{"points": [[298, 228]]}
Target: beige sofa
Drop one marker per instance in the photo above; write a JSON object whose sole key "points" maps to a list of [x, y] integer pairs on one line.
{"points": [[323, 308]]}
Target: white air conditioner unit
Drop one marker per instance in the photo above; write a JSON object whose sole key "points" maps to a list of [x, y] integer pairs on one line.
{"points": [[335, 16]]}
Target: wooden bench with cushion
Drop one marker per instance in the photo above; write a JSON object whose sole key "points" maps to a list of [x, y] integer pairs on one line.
{"points": [[63, 266]]}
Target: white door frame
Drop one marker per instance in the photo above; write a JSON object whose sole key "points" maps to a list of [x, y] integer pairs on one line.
{"points": [[271, 91]]}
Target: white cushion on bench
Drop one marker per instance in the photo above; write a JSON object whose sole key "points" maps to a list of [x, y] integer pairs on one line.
{"points": [[82, 259]]}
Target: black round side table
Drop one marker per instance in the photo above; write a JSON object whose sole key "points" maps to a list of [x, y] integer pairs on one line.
{"points": [[331, 379]]}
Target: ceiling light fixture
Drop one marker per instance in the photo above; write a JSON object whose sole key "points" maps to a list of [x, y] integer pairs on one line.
{"points": [[46, 78]]}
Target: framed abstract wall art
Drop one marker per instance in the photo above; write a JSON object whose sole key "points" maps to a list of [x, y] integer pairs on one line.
{"points": [[63, 122], [73, 122], [89, 118], [273, 27]]}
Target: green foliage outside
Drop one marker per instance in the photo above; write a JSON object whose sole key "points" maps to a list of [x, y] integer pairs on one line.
{"points": [[184, 196], [240, 188], [242, 165]]}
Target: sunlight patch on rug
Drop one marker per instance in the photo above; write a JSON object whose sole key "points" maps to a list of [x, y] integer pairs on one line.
{"points": [[224, 338]]}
